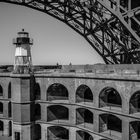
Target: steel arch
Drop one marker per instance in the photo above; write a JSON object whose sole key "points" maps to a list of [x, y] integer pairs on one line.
{"points": [[110, 26]]}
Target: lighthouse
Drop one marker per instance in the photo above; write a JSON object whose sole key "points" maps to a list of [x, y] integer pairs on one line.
{"points": [[23, 59]]}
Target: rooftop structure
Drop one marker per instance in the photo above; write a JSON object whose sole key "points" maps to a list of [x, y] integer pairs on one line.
{"points": [[23, 59]]}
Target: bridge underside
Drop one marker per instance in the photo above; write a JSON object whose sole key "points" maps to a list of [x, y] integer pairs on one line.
{"points": [[112, 27]]}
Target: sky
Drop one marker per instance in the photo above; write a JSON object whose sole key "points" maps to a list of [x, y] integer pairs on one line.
{"points": [[54, 41]]}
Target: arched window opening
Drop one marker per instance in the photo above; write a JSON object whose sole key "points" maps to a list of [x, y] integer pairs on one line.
{"points": [[110, 124], [9, 90], [1, 128], [9, 109], [84, 117], [1, 91], [37, 91], [134, 104], [110, 98], [37, 132], [10, 128], [81, 135], [84, 94], [57, 133], [57, 112], [134, 130], [1, 108], [57, 92], [37, 112]]}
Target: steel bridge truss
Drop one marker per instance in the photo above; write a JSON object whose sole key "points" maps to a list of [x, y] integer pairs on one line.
{"points": [[112, 27]]}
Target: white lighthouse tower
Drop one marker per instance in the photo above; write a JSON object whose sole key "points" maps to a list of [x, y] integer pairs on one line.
{"points": [[23, 59]]}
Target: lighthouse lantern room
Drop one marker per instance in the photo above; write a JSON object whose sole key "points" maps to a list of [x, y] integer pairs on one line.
{"points": [[23, 59]]}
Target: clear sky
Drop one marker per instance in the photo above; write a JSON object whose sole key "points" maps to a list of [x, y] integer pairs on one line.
{"points": [[53, 40]]}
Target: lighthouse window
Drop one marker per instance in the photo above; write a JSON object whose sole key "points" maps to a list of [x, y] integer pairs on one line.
{"points": [[9, 90], [1, 108], [17, 135], [1, 91]]}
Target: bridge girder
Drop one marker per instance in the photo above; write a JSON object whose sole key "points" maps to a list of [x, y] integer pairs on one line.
{"points": [[110, 27]]}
